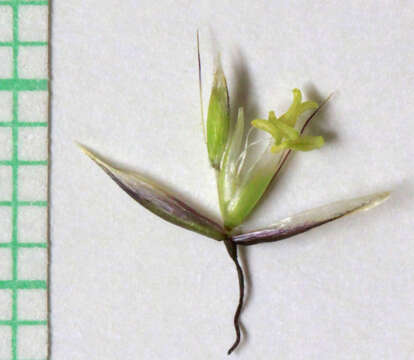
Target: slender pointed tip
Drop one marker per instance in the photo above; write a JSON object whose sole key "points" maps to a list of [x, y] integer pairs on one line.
{"points": [[77, 143], [85, 150], [218, 67], [94, 157], [385, 195], [331, 95], [382, 196], [327, 99], [377, 199]]}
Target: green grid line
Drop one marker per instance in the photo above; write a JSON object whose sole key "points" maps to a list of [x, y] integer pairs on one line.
{"points": [[22, 2], [23, 284], [23, 203], [22, 84], [23, 322], [23, 43], [25, 245], [23, 124], [15, 85], [24, 162]]}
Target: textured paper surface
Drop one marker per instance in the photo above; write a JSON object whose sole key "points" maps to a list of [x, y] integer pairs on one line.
{"points": [[23, 179], [127, 285]]}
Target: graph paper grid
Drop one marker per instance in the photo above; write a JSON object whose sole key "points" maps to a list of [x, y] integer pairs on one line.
{"points": [[23, 179]]}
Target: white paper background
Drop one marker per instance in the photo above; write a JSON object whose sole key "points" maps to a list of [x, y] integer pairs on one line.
{"points": [[126, 285]]}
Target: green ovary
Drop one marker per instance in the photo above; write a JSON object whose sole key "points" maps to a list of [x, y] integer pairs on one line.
{"points": [[246, 199]]}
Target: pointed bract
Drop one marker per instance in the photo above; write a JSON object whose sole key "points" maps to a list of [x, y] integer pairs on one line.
{"points": [[307, 220], [218, 117], [158, 200], [227, 177]]}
